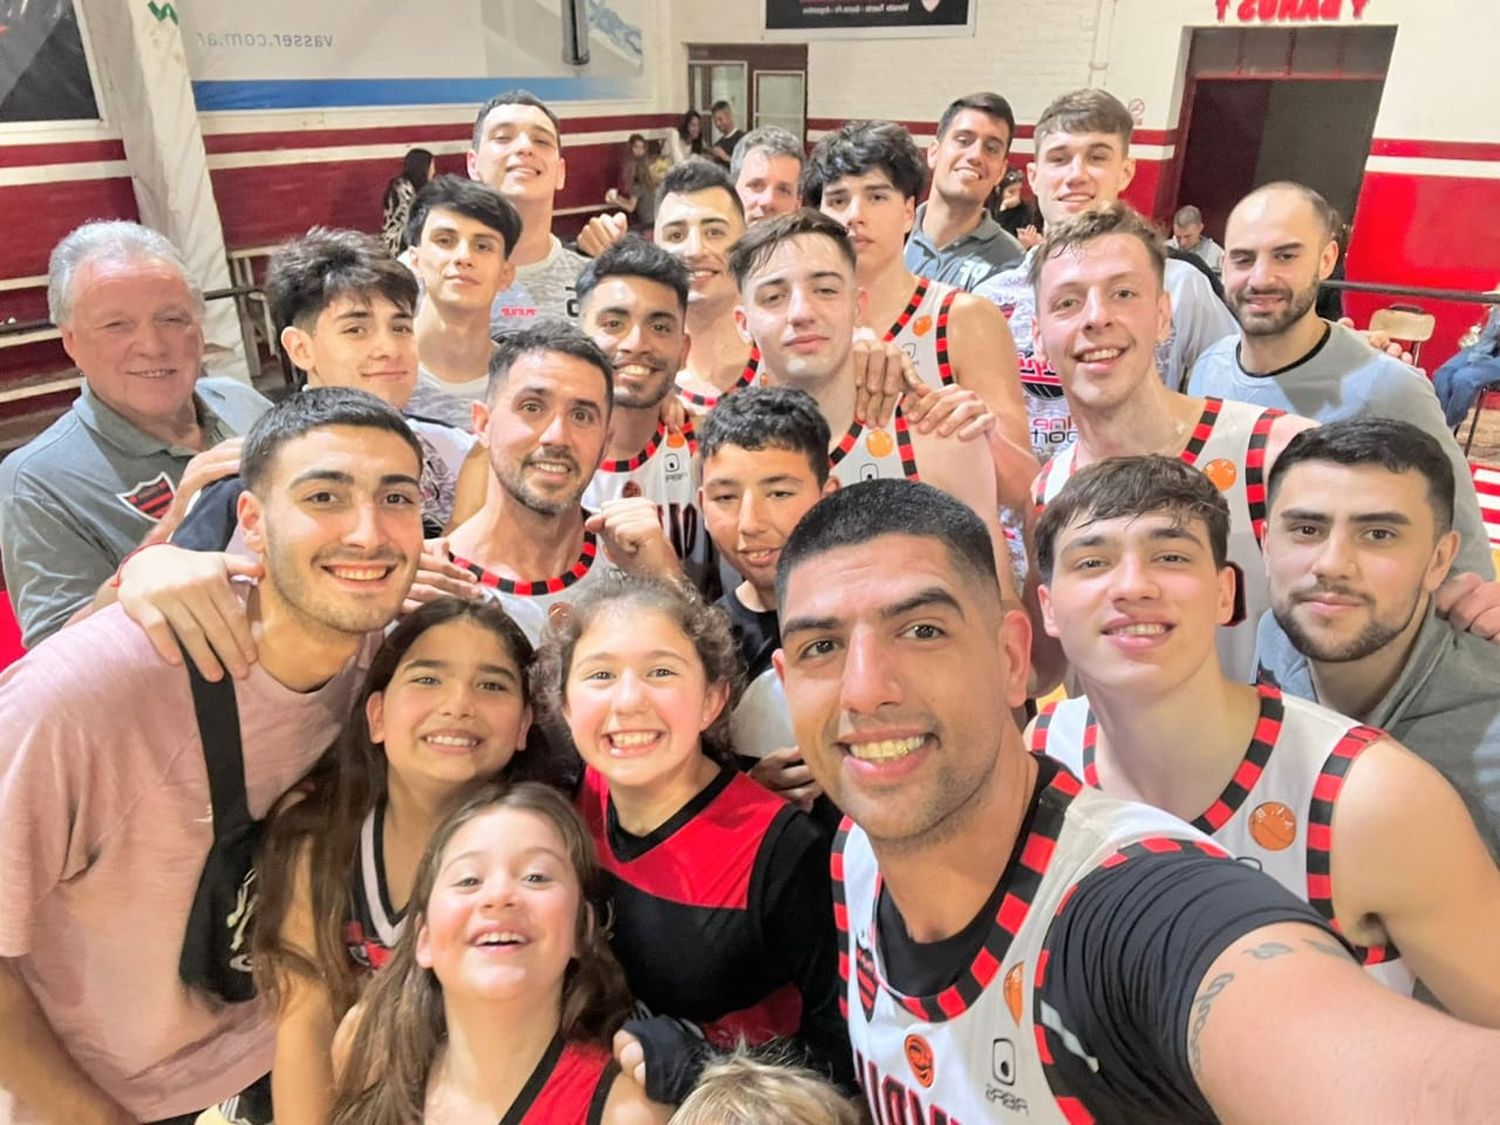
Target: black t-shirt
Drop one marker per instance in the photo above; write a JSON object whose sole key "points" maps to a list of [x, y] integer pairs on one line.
{"points": [[1126, 957], [728, 141], [757, 634]]}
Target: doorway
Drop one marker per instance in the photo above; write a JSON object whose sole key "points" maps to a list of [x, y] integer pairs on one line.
{"points": [[766, 84], [1272, 104]]}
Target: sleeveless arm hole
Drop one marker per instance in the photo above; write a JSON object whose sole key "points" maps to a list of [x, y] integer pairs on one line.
{"points": [[601, 1092]]}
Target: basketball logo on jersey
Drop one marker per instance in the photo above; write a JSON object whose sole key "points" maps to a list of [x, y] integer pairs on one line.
{"points": [[922, 325], [879, 443], [864, 977], [1012, 987], [1273, 826], [1222, 473], [671, 464], [1003, 1062], [919, 1058]]}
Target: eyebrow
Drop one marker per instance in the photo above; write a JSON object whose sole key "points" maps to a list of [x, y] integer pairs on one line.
{"points": [[1401, 519], [492, 669], [933, 596], [1173, 533], [481, 854], [357, 313]]}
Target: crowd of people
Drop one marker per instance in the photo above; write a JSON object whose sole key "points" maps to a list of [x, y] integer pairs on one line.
{"points": [[622, 684]]}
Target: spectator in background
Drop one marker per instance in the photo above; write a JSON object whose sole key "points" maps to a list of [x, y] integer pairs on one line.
{"points": [[729, 136], [1187, 234], [1459, 381], [1014, 212], [687, 139], [636, 189], [417, 169], [765, 168]]}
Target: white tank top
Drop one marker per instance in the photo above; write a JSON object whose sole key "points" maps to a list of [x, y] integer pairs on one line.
{"points": [[666, 472], [970, 1054], [528, 602], [749, 377], [871, 453], [1285, 788], [922, 330], [1229, 447]]}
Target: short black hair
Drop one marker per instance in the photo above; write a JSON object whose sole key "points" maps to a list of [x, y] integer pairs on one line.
{"points": [[758, 418], [548, 334], [695, 174], [315, 409], [477, 201], [512, 97], [1396, 447], [1125, 487], [758, 243], [307, 274], [859, 147], [720, 104], [858, 513], [633, 256], [985, 102]]}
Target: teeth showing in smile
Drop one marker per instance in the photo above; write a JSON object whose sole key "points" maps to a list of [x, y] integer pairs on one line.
{"points": [[758, 557], [503, 937], [700, 275], [452, 740], [635, 370], [1099, 355], [1143, 629], [551, 466], [633, 739], [359, 573], [887, 749]]}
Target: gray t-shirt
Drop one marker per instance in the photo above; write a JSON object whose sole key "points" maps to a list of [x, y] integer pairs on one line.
{"points": [[449, 403], [545, 288], [82, 494], [1343, 377], [1444, 707], [968, 260]]}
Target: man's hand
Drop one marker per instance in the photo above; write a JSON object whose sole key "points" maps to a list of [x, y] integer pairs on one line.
{"points": [[882, 373], [177, 595], [633, 537], [438, 576], [784, 773], [673, 413], [1028, 237], [947, 411], [223, 460], [631, 1056], [601, 232], [1380, 341], [1471, 605]]}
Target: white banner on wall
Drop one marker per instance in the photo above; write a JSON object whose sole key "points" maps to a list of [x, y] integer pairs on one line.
{"points": [[867, 19], [292, 53]]}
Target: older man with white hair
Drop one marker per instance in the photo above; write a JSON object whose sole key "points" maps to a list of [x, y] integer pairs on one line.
{"points": [[146, 432]]}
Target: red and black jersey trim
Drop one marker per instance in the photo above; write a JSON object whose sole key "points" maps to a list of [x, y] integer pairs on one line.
{"points": [[540, 586], [1320, 834], [747, 377], [1203, 430], [1255, 470], [945, 365], [907, 313], [1022, 884], [1039, 728], [630, 465], [841, 923], [903, 445], [1049, 1042], [1262, 742]]}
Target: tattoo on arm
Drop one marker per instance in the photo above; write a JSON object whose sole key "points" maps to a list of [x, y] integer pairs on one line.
{"points": [[1268, 949], [1201, 1008], [1327, 948]]}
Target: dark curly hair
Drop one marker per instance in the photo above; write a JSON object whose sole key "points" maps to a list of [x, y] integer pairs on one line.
{"points": [[707, 626]]}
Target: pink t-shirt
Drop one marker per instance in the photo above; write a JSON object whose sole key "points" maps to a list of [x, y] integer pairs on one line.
{"points": [[104, 828]]}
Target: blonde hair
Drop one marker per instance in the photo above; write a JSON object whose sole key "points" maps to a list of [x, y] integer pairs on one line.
{"points": [[744, 1089]]}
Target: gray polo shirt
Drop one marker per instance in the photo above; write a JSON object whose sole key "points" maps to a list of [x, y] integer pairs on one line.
{"points": [[1444, 707], [83, 493], [968, 260]]}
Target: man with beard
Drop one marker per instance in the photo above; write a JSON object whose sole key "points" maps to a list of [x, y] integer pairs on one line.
{"points": [[1279, 246], [103, 825], [1359, 539], [634, 299], [545, 423]]}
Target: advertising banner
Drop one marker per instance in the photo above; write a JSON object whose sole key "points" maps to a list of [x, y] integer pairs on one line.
{"points": [[866, 19]]}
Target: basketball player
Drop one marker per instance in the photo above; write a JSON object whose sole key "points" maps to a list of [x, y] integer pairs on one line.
{"points": [[1018, 946], [867, 175], [1132, 553], [1100, 309], [1083, 161], [634, 299]]}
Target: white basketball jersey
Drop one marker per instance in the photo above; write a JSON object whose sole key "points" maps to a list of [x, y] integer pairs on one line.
{"points": [[1276, 813], [922, 330], [1229, 447], [971, 1053], [667, 473], [702, 403], [528, 602], [875, 452]]}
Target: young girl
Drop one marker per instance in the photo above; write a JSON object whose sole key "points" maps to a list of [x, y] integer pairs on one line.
{"points": [[445, 707], [723, 913], [502, 995]]}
